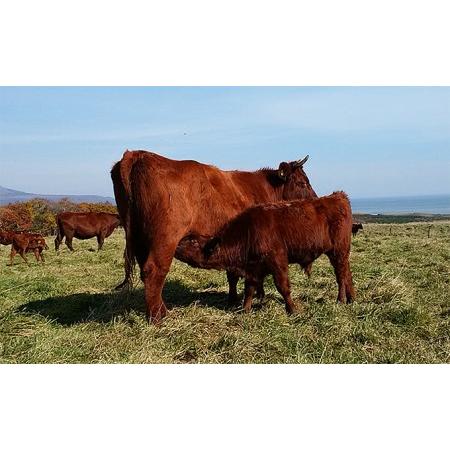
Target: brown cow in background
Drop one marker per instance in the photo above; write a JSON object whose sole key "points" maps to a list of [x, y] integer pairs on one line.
{"points": [[265, 239], [161, 200], [85, 226], [356, 227]]}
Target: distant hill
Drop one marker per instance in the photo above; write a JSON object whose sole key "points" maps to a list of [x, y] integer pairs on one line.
{"points": [[13, 196]]}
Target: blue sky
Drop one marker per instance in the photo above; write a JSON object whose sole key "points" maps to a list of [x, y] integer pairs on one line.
{"points": [[370, 142]]}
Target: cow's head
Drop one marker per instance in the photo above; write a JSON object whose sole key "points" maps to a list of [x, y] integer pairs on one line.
{"points": [[294, 180]]}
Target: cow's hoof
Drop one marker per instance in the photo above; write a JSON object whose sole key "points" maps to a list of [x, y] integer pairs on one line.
{"points": [[294, 310], [155, 317]]}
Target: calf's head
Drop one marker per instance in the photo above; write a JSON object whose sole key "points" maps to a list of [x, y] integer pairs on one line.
{"points": [[295, 183], [198, 251], [5, 238]]}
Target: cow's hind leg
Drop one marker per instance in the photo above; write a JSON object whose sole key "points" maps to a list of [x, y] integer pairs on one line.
{"points": [[58, 239], [69, 238], [153, 275], [233, 279]]}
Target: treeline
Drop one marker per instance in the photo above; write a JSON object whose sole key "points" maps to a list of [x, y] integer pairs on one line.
{"points": [[39, 215], [399, 219]]}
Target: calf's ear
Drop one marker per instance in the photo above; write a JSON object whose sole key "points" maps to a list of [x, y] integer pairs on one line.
{"points": [[211, 246]]}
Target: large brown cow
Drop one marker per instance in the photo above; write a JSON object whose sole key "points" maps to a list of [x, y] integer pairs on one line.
{"points": [[265, 239], [85, 226], [161, 200], [24, 242]]}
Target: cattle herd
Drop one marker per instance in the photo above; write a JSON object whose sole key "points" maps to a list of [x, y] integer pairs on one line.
{"points": [[70, 225], [249, 224]]}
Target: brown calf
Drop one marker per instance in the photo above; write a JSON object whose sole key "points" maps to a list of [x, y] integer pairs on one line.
{"points": [[265, 239], [24, 242]]}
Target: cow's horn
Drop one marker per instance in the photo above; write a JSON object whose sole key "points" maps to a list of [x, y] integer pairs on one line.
{"points": [[301, 162]]}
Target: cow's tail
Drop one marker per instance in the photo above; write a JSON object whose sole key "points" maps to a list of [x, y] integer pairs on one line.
{"points": [[121, 175]]}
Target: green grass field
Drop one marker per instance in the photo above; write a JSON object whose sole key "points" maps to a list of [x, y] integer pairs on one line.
{"points": [[66, 312]]}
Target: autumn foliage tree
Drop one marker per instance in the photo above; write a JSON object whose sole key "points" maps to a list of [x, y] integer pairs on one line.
{"points": [[39, 215]]}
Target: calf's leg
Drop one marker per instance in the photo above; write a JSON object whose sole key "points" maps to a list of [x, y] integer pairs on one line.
{"points": [[340, 263], [260, 292], [308, 270], [281, 279], [22, 255], [349, 288], [250, 287], [233, 299], [12, 255]]}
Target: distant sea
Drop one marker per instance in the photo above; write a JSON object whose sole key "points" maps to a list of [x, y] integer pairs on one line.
{"points": [[426, 204]]}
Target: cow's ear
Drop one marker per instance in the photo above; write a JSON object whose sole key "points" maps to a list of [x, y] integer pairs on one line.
{"points": [[284, 171]]}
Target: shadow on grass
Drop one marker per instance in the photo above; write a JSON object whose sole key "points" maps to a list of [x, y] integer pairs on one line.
{"points": [[102, 308]]}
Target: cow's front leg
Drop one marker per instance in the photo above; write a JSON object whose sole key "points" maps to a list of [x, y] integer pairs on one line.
{"points": [[100, 241]]}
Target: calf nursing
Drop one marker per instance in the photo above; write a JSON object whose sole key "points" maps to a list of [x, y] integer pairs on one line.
{"points": [[265, 239], [161, 200]]}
